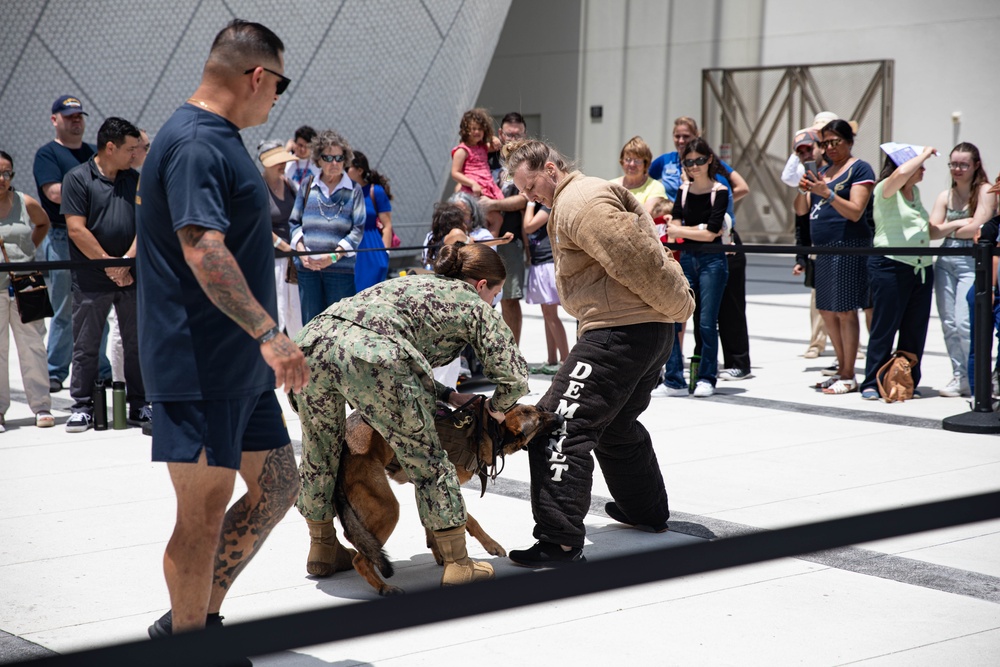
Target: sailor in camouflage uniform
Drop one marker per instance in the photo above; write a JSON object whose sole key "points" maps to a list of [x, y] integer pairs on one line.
{"points": [[375, 351]]}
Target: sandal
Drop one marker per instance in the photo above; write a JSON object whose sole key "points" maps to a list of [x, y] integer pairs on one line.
{"points": [[842, 387], [823, 384], [44, 419]]}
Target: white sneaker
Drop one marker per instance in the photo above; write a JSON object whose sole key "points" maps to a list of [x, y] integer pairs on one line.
{"points": [[663, 391], [953, 389], [703, 389]]}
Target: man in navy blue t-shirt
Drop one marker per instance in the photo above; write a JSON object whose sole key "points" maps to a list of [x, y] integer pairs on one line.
{"points": [[52, 162], [209, 345]]}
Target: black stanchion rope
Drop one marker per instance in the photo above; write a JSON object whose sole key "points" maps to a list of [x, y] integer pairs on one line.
{"points": [[339, 623]]}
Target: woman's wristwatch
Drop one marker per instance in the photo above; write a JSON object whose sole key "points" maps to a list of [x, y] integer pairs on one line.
{"points": [[829, 200]]}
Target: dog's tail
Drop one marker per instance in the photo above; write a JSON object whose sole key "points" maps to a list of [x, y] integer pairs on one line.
{"points": [[354, 529]]}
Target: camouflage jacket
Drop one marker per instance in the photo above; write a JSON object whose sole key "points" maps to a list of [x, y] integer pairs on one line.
{"points": [[432, 318]]}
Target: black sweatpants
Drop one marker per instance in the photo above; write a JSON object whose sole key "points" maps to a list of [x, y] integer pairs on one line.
{"points": [[733, 335], [601, 390]]}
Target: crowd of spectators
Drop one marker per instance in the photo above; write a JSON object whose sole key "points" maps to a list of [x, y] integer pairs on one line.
{"points": [[327, 200]]}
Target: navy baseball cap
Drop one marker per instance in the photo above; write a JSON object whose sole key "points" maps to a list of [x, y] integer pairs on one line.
{"points": [[68, 105]]}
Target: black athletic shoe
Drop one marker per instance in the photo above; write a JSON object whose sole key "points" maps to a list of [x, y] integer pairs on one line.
{"points": [[140, 416], [615, 513], [164, 627], [546, 554]]}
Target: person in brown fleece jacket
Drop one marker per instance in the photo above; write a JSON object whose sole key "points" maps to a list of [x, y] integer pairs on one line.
{"points": [[626, 290]]}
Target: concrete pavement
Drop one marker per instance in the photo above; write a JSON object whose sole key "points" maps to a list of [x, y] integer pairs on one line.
{"points": [[84, 519]]}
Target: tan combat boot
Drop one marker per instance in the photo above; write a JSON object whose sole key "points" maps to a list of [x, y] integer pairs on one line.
{"points": [[326, 554], [458, 567]]}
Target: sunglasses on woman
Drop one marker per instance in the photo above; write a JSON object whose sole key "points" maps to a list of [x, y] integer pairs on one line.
{"points": [[331, 158], [830, 143], [698, 161]]}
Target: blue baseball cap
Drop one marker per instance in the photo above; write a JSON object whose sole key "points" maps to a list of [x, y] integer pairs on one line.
{"points": [[68, 105]]}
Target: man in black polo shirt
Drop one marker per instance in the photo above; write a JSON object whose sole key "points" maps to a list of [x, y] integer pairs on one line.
{"points": [[98, 200]]}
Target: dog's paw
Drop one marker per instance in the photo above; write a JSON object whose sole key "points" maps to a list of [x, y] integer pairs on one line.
{"points": [[387, 590], [494, 549]]}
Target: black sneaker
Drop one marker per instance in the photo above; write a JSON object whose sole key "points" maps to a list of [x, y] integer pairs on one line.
{"points": [[79, 422], [546, 554], [140, 416], [55, 385], [164, 627], [618, 515]]}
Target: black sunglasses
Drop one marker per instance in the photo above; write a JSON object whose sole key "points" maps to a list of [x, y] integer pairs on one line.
{"points": [[283, 80], [331, 158], [699, 161]]}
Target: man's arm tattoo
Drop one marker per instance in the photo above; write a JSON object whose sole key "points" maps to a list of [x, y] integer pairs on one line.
{"points": [[221, 278]]}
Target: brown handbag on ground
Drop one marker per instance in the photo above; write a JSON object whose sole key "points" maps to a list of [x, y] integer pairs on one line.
{"points": [[30, 293], [895, 378]]}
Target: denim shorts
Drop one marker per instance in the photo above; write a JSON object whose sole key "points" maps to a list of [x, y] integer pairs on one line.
{"points": [[223, 428]]}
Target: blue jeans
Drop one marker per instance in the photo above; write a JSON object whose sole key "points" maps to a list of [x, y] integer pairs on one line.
{"points": [[953, 276], [970, 298], [707, 274], [60, 345], [674, 371], [318, 290]]}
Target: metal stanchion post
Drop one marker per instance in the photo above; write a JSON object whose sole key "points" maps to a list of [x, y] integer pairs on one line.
{"points": [[981, 419]]}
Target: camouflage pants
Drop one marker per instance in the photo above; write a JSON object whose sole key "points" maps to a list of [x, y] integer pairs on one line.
{"points": [[396, 396]]}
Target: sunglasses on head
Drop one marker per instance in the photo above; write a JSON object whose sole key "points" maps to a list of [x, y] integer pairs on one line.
{"points": [[283, 80], [698, 161], [332, 158], [830, 143]]}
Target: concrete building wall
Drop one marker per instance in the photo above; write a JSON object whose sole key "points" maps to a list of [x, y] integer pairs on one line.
{"points": [[642, 62], [393, 76]]}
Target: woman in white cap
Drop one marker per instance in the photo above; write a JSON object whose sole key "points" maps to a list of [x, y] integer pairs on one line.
{"points": [[274, 156], [838, 201]]}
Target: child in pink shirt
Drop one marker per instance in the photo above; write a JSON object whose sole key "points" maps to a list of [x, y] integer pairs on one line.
{"points": [[469, 165]]}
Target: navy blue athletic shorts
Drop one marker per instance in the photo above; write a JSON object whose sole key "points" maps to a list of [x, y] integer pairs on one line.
{"points": [[223, 428]]}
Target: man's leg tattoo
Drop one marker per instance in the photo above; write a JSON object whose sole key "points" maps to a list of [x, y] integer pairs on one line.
{"points": [[245, 527]]}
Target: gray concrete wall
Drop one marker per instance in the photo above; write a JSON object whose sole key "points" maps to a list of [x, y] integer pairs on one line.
{"points": [[409, 69], [641, 60], [536, 68]]}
